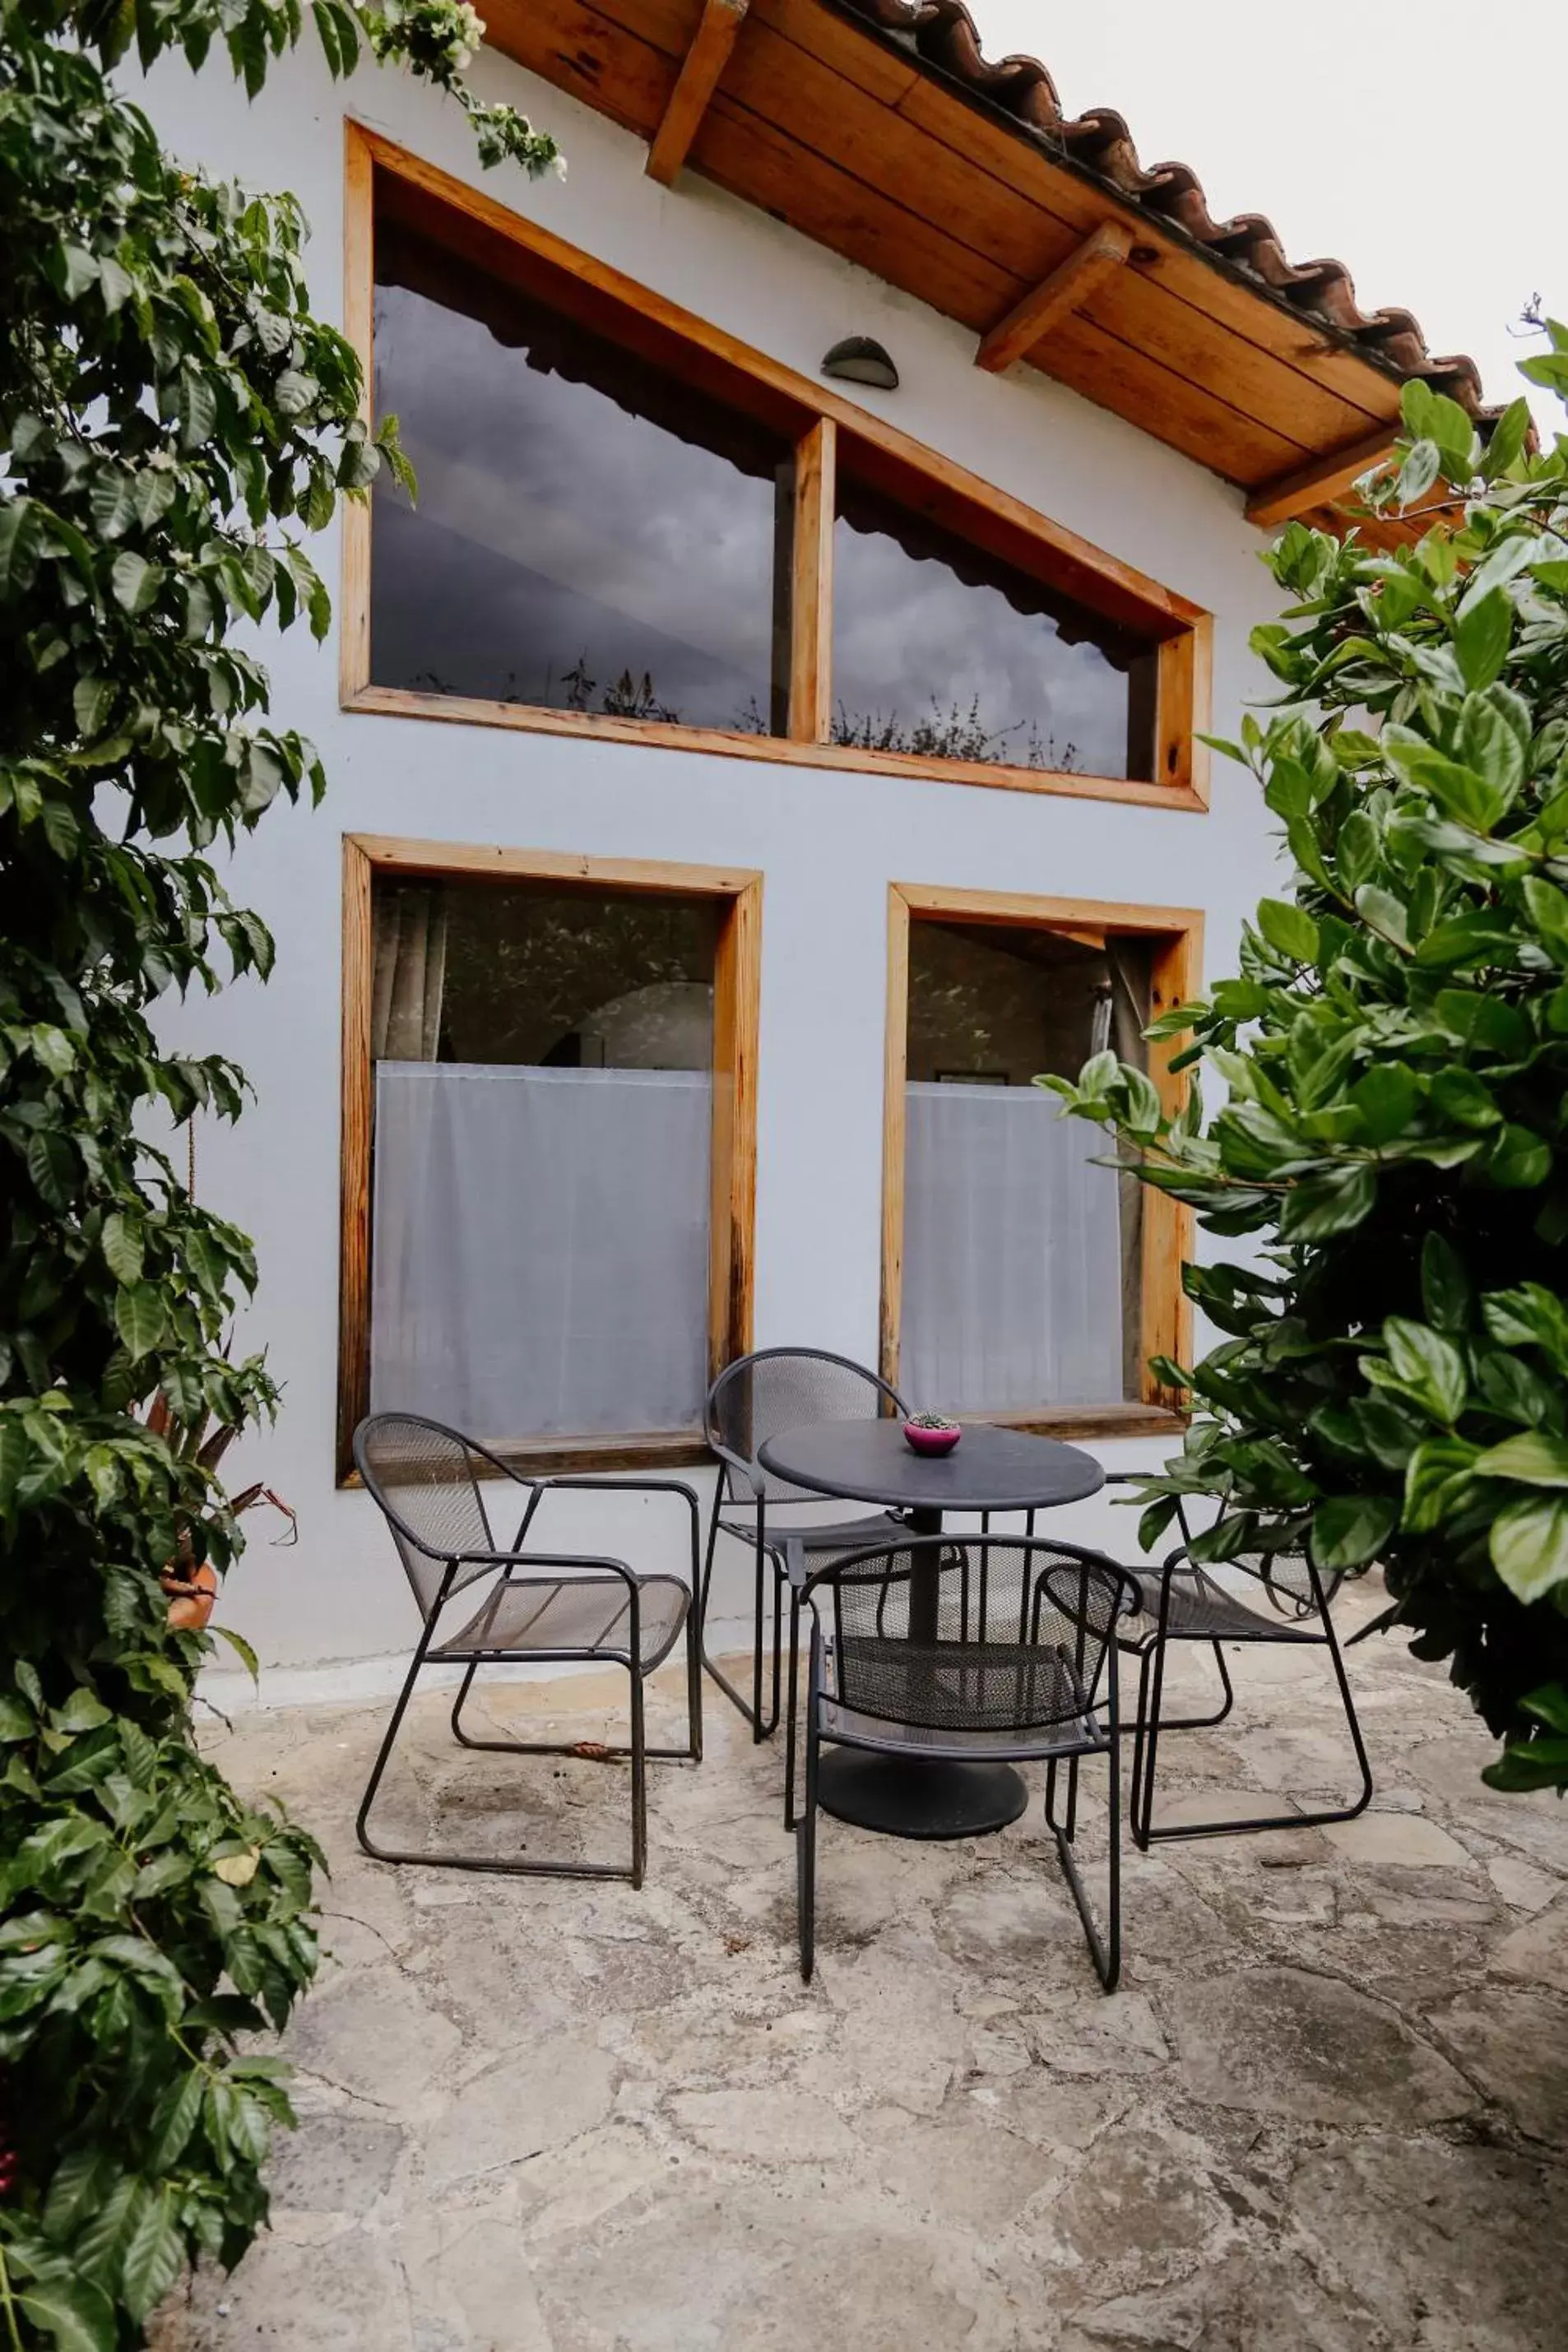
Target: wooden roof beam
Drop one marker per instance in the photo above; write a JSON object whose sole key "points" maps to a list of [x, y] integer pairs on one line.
{"points": [[1067, 288], [1321, 480], [695, 84]]}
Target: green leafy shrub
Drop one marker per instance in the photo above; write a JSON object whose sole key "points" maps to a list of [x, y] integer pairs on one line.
{"points": [[1392, 1379], [173, 420]]}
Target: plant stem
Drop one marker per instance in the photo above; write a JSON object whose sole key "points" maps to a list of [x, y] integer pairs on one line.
{"points": [[8, 2305]]}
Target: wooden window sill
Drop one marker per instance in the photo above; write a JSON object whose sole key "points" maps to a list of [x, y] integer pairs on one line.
{"points": [[464, 710], [539, 1457], [1080, 1422]]}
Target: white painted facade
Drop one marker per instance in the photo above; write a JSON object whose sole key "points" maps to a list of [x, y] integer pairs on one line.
{"points": [[828, 841]]}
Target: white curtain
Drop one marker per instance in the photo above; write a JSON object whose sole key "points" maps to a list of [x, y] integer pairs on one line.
{"points": [[1012, 1292], [539, 1247]]}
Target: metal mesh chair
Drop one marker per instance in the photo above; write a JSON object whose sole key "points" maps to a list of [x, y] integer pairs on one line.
{"points": [[955, 1649], [758, 1397], [1181, 1601], [540, 1605]]}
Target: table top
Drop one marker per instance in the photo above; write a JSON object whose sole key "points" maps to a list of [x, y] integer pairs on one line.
{"points": [[989, 1469]]}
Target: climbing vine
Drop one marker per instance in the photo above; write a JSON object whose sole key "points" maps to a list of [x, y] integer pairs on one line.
{"points": [[174, 424]]}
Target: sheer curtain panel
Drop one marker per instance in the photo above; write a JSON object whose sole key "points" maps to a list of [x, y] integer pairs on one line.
{"points": [[1012, 1291], [539, 1247]]}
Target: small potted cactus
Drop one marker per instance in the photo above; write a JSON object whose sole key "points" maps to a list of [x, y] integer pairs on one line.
{"points": [[932, 1433]]}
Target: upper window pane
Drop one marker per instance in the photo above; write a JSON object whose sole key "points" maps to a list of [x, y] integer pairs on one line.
{"points": [[941, 648], [590, 534]]}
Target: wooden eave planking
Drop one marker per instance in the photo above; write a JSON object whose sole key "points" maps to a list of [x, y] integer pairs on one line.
{"points": [[873, 156], [705, 60], [1067, 288]]}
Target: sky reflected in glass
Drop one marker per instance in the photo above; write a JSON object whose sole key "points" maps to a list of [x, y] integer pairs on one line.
{"points": [[563, 551]]}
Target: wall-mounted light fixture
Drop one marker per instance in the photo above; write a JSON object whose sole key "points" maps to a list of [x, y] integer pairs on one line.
{"points": [[859, 360]]}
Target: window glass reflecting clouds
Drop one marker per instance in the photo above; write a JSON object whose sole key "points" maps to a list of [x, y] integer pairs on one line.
{"points": [[940, 648], [566, 550]]}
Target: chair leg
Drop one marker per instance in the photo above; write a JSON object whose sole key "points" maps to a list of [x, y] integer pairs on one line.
{"points": [[1144, 1830], [458, 1733], [446, 1858], [791, 1704], [384, 1753], [750, 1708], [1104, 1949], [1206, 1722], [639, 1778], [694, 1680], [806, 1849]]}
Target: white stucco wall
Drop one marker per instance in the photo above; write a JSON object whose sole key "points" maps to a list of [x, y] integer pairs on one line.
{"points": [[828, 843]]}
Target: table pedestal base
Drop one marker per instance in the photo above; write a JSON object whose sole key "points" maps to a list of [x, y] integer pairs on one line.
{"points": [[916, 1797]]}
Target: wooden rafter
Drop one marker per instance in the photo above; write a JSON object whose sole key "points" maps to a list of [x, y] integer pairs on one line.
{"points": [[1069, 285], [695, 84], [1321, 482]]}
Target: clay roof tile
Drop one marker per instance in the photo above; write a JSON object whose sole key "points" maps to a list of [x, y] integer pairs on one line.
{"points": [[943, 35]]}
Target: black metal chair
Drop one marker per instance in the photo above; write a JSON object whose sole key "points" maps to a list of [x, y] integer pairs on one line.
{"points": [[1011, 1658], [753, 1399], [540, 1606], [1181, 1600]]}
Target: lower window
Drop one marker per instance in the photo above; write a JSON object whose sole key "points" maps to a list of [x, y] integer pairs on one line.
{"points": [[547, 1242], [1023, 1280]]}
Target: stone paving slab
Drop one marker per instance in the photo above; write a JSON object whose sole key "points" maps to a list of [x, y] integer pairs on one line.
{"points": [[1328, 2110]]}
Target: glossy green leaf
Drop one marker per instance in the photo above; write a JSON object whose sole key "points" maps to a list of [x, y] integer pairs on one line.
{"points": [[1322, 1206], [72, 2314], [1438, 1481], [1528, 1547], [140, 1318], [1532, 1460], [1428, 1366], [1517, 1160], [153, 2260], [1351, 1530], [1481, 639], [1446, 1290], [1387, 1097], [1289, 929]]}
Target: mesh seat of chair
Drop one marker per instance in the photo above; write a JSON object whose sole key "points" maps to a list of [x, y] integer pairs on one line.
{"points": [[817, 1535], [584, 1614], [1014, 1653], [1199, 1609]]}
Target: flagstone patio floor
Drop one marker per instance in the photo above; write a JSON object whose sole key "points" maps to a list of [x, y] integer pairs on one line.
{"points": [[1329, 2108]]}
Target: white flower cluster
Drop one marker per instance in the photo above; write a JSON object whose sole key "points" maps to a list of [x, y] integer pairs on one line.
{"points": [[468, 26]]}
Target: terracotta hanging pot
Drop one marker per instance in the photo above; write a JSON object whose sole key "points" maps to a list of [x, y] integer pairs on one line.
{"points": [[192, 1590]]}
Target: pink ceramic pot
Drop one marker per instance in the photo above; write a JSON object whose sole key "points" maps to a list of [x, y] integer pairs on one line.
{"points": [[932, 1441]]}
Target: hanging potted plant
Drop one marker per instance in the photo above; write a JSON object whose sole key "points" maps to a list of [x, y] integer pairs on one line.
{"points": [[190, 1583]]}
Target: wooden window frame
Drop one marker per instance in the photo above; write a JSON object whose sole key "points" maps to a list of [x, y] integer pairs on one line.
{"points": [[738, 894], [815, 421], [1176, 936]]}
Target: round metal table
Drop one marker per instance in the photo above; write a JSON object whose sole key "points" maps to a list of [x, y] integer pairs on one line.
{"points": [[989, 1470]]}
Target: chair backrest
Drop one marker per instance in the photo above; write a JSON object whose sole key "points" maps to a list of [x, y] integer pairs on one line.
{"points": [[424, 1478], [1290, 1582], [973, 1633], [760, 1396]]}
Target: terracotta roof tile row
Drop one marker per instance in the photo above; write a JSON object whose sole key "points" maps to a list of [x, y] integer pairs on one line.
{"points": [[942, 33]]}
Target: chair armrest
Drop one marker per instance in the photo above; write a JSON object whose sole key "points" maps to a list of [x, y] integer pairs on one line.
{"points": [[597, 1483], [599, 1564]]}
